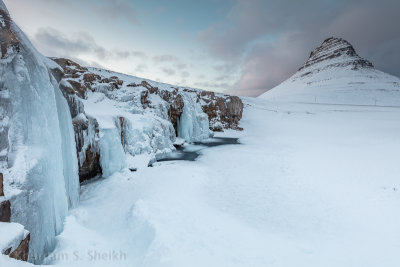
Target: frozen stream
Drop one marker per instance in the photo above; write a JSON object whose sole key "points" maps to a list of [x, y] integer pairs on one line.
{"points": [[192, 151]]}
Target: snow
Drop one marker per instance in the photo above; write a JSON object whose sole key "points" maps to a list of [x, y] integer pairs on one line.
{"points": [[324, 84], [309, 185]]}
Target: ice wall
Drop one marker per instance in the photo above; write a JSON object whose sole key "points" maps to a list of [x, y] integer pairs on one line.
{"points": [[193, 124], [40, 169]]}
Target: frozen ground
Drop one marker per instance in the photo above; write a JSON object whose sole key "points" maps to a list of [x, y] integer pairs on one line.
{"points": [[309, 185]]}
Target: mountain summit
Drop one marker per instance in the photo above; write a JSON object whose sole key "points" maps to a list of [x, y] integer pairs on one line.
{"points": [[336, 52], [336, 74]]}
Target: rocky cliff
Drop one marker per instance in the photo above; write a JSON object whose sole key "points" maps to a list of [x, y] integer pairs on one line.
{"points": [[134, 95]]}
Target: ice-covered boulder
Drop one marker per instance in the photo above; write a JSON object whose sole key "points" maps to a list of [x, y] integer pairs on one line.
{"points": [[14, 241]]}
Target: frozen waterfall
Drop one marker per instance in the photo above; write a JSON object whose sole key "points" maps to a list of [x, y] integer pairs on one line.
{"points": [[193, 124], [40, 168]]}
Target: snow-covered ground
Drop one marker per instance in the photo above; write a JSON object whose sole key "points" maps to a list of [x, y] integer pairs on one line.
{"points": [[310, 185]]}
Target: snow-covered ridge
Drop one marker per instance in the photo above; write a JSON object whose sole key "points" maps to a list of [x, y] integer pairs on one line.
{"points": [[335, 74]]}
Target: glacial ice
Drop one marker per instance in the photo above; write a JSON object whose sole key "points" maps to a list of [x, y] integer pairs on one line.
{"points": [[40, 173], [193, 124]]}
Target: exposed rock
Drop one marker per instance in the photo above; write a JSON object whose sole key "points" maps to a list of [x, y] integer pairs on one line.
{"points": [[91, 77], [7, 251], [5, 211], [7, 37], [223, 111], [121, 127], [336, 48], [71, 68], [1, 185], [86, 136], [22, 251]]}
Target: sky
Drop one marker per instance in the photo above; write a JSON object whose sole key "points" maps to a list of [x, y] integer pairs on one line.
{"points": [[241, 47]]}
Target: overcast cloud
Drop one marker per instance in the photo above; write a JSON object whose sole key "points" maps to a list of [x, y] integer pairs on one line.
{"points": [[241, 47]]}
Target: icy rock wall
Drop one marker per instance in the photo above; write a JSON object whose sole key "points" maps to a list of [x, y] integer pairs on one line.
{"points": [[39, 164], [193, 124]]}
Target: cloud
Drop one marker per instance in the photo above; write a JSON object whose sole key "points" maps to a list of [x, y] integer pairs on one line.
{"points": [[180, 66], [185, 74], [165, 58], [54, 43], [168, 71], [214, 85], [141, 68], [270, 40], [116, 9], [138, 54]]}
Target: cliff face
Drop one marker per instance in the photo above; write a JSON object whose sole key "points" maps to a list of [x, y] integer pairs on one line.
{"points": [[164, 104]]}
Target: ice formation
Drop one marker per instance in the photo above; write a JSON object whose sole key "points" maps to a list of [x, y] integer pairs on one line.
{"points": [[39, 165], [193, 124], [112, 155], [147, 134]]}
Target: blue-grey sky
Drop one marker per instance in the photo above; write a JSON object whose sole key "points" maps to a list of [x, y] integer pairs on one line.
{"points": [[242, 47]]}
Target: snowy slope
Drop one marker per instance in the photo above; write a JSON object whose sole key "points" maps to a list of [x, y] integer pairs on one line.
{"points": [[335, 74]]}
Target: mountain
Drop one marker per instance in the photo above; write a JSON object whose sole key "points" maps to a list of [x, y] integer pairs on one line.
{"points": [[336, 74]]}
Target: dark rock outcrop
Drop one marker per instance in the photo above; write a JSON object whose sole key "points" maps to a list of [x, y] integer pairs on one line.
{"points": [[223, 111], [1, 185], [336, 48], [5, 211], [86, 136], [5, 205], [7, 37]]}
